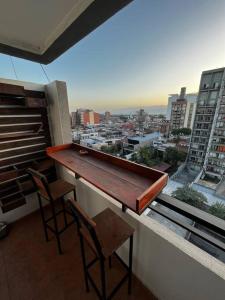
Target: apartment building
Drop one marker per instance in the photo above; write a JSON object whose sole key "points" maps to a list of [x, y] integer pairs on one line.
{"points": [[183, 111], [191, 97], [107, 116], [75, 119], [134, 143], [84, 117], [89, 117], [207, 149]]}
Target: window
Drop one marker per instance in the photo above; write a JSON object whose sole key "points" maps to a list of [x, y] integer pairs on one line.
{"points": [[206, 79], [203, 97], [217, 77]]}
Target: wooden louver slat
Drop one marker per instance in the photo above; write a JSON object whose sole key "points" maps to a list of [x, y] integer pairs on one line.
{"points": [[24, 135]]}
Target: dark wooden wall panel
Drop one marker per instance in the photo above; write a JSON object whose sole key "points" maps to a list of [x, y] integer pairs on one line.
{"points": [[24, 136], [19, 120], [15, 142], [11, 89]]}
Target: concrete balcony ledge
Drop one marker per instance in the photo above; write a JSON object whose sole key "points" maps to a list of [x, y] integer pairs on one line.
{"points": [[168, 265]]}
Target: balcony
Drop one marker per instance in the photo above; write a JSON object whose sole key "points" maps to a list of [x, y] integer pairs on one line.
{"points": [[164, 262], [32, 269]]}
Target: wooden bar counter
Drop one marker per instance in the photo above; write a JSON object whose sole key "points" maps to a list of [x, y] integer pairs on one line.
{"points": [[133, 185]]}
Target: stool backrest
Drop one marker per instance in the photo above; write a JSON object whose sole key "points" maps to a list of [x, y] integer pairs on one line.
{"points": [[40, 182], [87, 227]]}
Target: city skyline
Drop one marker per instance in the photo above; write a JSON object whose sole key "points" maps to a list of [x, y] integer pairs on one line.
{"points": [[145, 52]]}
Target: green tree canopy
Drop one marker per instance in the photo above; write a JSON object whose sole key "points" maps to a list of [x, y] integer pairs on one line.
{"points": [[173, 156], [218, 210], [190, 196], [181, 131], [150, 156], [146, 155], [112, 149]]}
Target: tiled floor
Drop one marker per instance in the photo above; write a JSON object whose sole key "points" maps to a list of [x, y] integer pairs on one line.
{"points": [[31, 268]]}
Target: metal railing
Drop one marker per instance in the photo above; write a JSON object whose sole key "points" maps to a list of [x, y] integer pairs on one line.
{"points": [[214, 224]]}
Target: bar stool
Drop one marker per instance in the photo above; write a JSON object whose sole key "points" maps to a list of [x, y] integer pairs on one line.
{"points": [[104, 234], [51, 192]]}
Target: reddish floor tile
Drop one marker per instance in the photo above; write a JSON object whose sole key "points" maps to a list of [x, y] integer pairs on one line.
{"points": [[31, 269]]}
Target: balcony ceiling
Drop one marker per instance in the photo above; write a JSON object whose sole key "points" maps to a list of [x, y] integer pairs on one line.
{"points": [[42, 30]]}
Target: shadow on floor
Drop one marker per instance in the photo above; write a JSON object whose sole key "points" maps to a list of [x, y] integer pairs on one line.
{"points": [[31, 268]]}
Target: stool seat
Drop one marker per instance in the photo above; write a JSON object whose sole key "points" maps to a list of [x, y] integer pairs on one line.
{"points": [[51, 192], [57, 189], [112, 231], [104, 234]]}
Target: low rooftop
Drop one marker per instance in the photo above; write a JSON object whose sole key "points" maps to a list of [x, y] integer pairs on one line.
{"points": [[145, 137]]}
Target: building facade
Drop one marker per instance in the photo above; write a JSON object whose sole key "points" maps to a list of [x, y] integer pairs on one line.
{"points": [[107, 116], [84, 117], [134, 143], [89, 117], [207, 148], [75, 119], [183, 111]]}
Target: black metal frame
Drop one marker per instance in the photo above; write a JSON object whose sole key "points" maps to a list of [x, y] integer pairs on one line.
{"points": [[55, 230], [195, 214], [101, 259]]}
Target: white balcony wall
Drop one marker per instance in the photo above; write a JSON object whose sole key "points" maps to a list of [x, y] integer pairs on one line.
{"points": [[171, 267]]}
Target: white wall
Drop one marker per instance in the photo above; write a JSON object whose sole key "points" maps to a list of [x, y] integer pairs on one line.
{"points": [[59, 116], [171, 98], [171, 267]]}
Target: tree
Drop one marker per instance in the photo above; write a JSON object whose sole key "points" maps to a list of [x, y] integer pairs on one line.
{"points": [[112, 149], [173, 156], [218, 210], [134, 157], [185, 131], [146, 155], [182, 155], [181, 131], [161, 116], [190, 196]]}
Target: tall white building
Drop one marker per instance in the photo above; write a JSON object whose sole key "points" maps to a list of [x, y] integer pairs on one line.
{"points": [[182, 111], [191, 98], [207, 149]]}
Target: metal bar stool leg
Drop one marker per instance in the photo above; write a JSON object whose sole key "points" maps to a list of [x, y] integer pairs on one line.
{"points": [[110, 262], [74, 194], [130, 265], [64, 211], [75, 198], [84, 263], [56, 227], [43, 217], [102, 266]]}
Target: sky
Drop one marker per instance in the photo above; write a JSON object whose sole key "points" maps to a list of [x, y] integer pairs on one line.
{"points": [[148, 50]]}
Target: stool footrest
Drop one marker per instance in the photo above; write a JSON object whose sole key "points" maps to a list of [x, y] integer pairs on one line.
{"points": [[60, 231], [117, 287]]}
